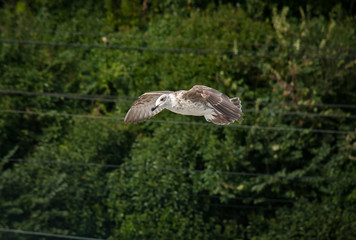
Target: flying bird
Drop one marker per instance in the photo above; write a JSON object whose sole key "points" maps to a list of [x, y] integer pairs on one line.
{"points": [[200, 100]]}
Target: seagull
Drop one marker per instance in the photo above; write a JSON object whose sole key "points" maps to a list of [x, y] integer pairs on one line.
{"points": [[200, 100]]}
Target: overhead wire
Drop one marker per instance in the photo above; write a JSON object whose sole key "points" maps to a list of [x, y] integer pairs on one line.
{"points": [[112, 98], [182, 170], [163, 39], [202, 51], [92, 191], [187, 194], [171, 50], [63, 236], [100, 98], [256, 199], [129, 36], [250, 127], [44, 234], [330, 105], [175, 193], [302, 114], [240, 206], [126, 99]]}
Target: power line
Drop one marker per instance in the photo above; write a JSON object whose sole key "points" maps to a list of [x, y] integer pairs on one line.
{"points": [[61, 114], [171, 50], [43, 234], [113, 98], [240, 206], [302, 114], [203, 51], [145, 193], [250, 127], [185, 194], [130, 36], [119, 99], [181, 170], [102, 189], [164, 39], [303, 104], [100, 98]]}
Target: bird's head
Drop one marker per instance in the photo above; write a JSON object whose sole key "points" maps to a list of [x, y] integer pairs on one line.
{"points": [[163, 101]]}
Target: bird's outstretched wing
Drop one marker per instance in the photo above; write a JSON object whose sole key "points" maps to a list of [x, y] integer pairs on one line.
{"points": [[141, 108], [219, 101]]}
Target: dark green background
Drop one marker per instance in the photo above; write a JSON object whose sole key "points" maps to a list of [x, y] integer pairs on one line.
{"points": [[178, 177]]}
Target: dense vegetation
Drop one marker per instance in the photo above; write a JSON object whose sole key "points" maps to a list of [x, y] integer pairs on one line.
{"points": [[70, 166]]}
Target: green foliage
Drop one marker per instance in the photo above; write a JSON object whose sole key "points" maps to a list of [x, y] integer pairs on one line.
{"points": [[300, 223], [165, 180]]}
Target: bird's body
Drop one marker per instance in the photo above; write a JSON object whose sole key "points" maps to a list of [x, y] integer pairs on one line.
{"points": [[185, 106], [198, 101]]}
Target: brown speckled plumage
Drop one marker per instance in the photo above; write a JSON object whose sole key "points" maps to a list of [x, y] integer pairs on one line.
{"points": [[200, 100]]}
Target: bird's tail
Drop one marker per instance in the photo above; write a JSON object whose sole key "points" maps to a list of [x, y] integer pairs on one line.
{"points": [[236, 101]]}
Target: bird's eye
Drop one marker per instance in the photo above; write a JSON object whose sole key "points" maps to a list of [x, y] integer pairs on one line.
{"points": [[163, 99]]}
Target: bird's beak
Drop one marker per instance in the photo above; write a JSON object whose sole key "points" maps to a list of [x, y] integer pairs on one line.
{"points": [[154, 108]]}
